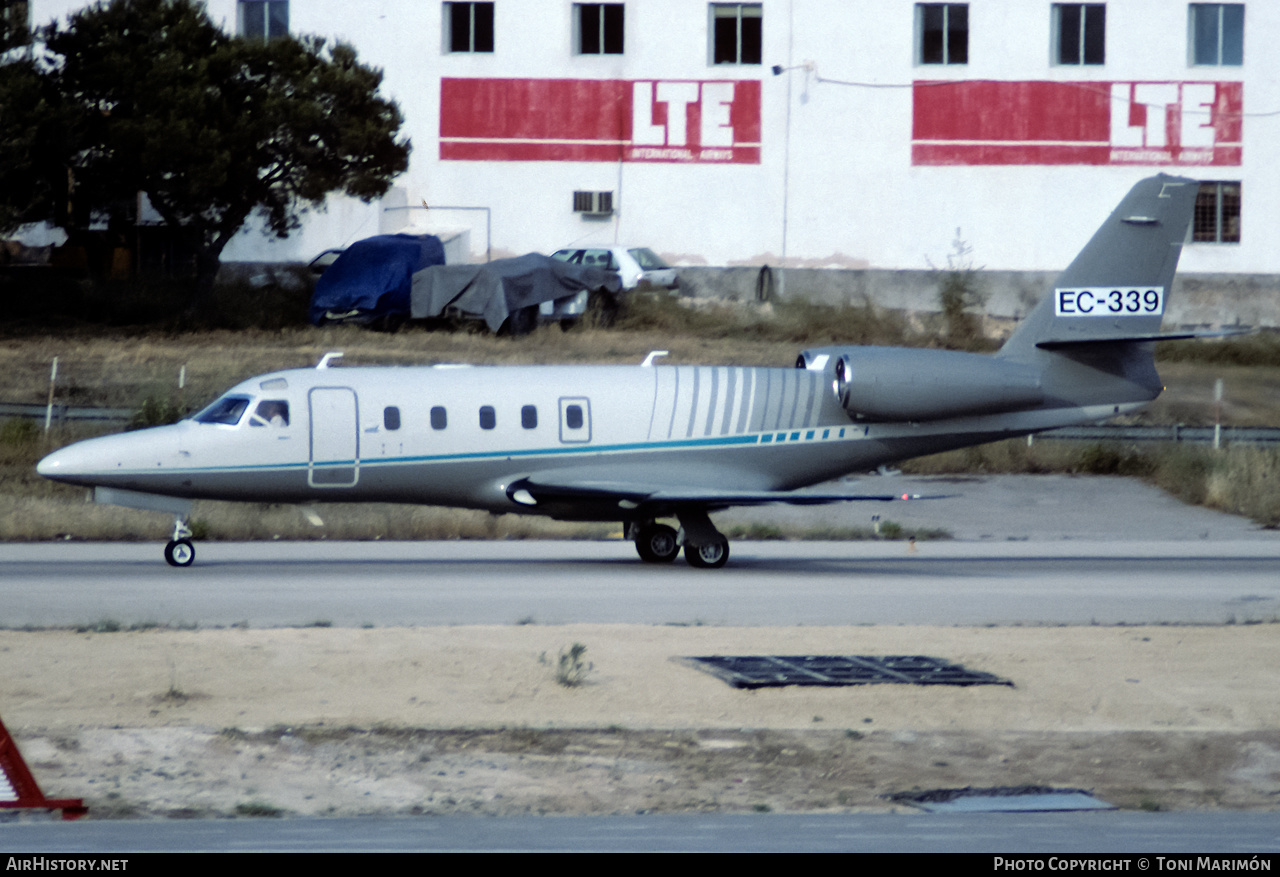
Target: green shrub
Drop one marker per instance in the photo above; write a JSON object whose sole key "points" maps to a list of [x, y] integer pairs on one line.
{"points": [[19, 432], [156, 411]]}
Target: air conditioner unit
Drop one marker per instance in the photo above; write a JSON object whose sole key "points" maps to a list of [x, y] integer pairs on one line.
{"points": [[593, 203]]}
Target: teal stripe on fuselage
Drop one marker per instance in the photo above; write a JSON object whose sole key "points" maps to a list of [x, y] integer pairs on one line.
{"points": [[366, 462]]}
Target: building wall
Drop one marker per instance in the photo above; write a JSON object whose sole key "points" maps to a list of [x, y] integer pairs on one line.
{"points": [[836, 180]]}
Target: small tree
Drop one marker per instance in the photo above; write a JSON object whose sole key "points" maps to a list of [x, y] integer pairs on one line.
{"points": [[212, 127], [32, 173], [960, 292], [13, 24]]}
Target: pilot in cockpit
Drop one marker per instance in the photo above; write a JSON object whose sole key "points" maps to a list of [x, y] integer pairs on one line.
{"points": [[274, 412]]}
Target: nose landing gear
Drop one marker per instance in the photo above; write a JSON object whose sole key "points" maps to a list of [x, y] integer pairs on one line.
{"points": [[180, 551]]}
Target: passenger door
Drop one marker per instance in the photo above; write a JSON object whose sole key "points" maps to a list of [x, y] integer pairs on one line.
{"points": [[335, 438]]}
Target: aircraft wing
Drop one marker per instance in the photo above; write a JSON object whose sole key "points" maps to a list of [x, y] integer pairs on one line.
{"points": [[550, 488]]}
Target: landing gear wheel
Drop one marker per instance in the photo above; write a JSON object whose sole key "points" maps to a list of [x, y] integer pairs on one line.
{"points": [[657, 543], [180, 552], [712, 555]]}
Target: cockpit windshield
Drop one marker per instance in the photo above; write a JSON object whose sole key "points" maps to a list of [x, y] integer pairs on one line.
{"points": [[228, 410]]}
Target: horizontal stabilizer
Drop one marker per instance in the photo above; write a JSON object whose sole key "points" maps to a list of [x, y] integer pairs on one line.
{"points": [[1051, 343]]}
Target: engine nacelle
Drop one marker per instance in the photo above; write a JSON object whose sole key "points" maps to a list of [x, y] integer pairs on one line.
{"points": [[899, 383]]}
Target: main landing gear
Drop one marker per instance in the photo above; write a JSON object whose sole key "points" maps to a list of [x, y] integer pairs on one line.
{"points": [[657, 543], [180, 551], [705, 547]]}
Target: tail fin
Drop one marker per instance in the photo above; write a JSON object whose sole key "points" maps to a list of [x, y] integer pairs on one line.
{"points": [[1116, 289]]}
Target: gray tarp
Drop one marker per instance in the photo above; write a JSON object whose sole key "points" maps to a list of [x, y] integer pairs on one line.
{"points": [[496, 290]]}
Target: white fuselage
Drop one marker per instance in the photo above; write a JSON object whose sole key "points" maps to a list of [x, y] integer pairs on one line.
{"points": [[460, 436]]}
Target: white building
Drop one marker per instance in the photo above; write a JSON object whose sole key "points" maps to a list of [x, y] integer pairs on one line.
{"points": [[806, 133]]}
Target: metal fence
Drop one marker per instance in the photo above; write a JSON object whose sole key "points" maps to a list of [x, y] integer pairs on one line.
{"points": [[1235, 435], [65, 413]]}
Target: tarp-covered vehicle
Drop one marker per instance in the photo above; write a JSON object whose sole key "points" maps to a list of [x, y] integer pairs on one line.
{"points": [[512, 294], [369, 284]]}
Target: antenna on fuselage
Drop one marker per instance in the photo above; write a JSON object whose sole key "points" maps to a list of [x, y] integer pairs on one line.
{"points": [[653, 354], [328, 358]]}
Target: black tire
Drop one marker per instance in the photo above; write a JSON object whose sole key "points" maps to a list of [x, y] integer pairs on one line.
{"points": [[656, 543], [712, 555], [180, 552]]}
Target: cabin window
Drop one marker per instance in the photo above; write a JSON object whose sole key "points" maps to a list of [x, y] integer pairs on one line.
{"points": [[391, 417], [573, 417], [227, 411], [529, 417], [439, 420], [271, 412], [488, 420]]}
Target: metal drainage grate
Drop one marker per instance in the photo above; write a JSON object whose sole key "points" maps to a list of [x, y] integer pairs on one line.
{"points": [[762, 671], [1001, 799]]}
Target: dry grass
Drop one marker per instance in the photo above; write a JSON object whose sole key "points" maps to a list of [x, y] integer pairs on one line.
{"points": [[32, 518], [1259, 348], [1242, 480], [1251, 394], [1246, 481]]}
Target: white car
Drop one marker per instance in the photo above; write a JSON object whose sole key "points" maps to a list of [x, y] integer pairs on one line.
{"points": [[639, 267]]}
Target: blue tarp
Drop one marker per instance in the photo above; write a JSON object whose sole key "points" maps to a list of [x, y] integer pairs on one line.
{"points": [[373, 278]]}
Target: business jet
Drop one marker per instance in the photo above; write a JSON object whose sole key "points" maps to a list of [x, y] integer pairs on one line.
{"points": [[646, 443]]}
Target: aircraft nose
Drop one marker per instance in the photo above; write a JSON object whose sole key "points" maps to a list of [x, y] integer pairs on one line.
{"points": [[65, 463]]}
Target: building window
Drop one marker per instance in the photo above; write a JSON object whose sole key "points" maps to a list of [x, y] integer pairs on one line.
{"points": [[262, 19], [1080, 33], [439, 417], [468, 27], [599, 28], [1217, 34], [737, 33], [942, 33], [1217, 218]]}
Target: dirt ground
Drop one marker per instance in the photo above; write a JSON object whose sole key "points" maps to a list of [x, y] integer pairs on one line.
{"points": [[472, 719]]}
